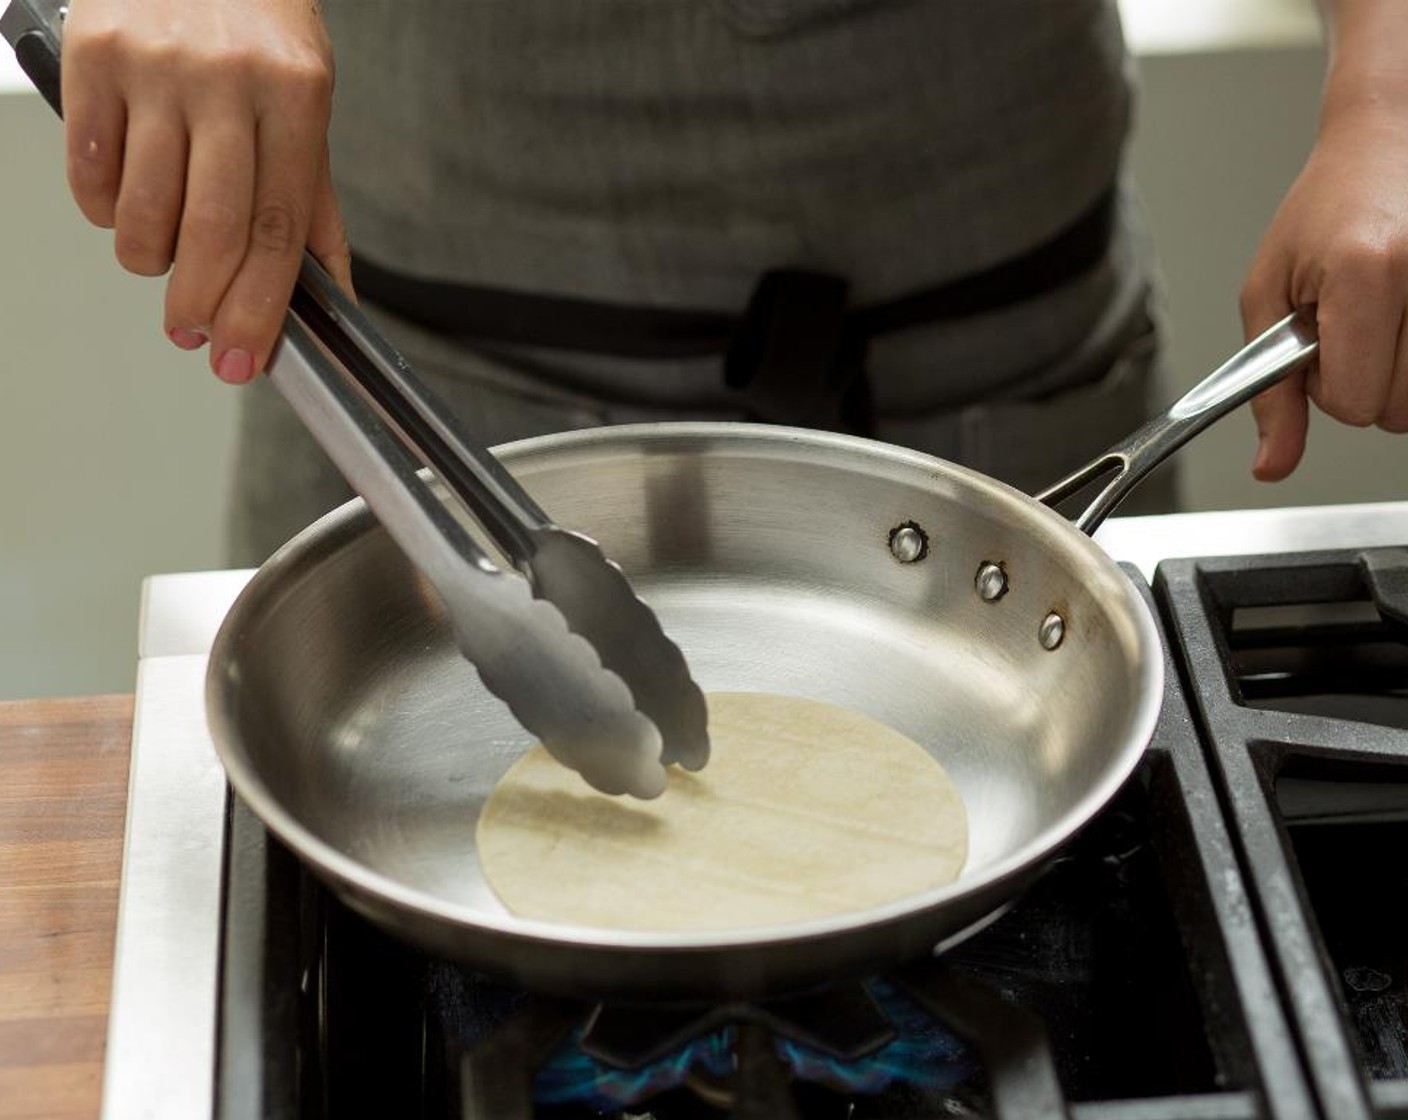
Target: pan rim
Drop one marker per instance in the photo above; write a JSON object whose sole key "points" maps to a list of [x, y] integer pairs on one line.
{"points": [[353, 519]]}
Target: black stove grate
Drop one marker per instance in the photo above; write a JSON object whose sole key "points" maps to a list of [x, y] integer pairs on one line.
{"points": [[1302, 697], [1128, 984]]}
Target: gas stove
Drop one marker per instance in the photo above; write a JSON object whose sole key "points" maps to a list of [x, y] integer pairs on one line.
{"points": [[1229, 939]]}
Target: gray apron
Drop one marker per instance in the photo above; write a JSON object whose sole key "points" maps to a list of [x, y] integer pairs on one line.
{"points": [[665, 154]]}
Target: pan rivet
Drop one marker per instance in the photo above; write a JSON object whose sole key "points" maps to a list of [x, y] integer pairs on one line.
{"points": [[991, 581], [908, 543], [1053, 629]]}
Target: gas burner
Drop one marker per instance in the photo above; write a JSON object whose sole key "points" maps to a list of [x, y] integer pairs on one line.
{"points": [[851, 1039]]}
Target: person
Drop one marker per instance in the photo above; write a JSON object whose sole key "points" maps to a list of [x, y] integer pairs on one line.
{"points": [[904, 218]]}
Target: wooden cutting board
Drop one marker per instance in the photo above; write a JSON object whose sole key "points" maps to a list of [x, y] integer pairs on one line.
{"points": [[63, 801]]}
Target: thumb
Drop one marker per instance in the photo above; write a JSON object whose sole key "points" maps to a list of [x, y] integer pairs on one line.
{"points": [[1282, 416], [1282, 413]]}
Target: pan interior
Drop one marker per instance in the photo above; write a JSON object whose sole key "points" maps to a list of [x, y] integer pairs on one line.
{"points": [[352, 718]]}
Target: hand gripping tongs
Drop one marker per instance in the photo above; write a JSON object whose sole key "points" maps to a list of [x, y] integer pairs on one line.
{"points": [[580, 661]]}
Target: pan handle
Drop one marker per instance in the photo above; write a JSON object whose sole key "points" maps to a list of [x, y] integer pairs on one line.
{"points": [[1264, 361]]}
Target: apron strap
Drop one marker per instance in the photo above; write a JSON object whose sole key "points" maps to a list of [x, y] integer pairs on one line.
{"points": [[793, 355], [796, 354]]}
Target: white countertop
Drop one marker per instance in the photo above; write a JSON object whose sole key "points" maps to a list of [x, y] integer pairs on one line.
{"points": [[1144, 541]]}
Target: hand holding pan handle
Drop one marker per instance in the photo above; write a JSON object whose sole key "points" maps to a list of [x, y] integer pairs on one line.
{"points": [[1264, 361]]}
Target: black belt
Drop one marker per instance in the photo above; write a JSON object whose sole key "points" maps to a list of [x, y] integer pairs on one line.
{"points": [[795, 354]]}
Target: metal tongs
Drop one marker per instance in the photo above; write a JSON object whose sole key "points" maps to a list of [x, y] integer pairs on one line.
{"points": [[540, 645], [580, 660]]}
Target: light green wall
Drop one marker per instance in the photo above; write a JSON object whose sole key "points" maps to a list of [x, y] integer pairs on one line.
{"points": [[113, 445]]}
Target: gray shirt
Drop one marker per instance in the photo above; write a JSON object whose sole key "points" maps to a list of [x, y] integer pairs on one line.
{"points": [[666, 152]]}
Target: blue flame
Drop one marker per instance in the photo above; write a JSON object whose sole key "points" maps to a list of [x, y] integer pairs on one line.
{"points": [[572, 1076], [922, 1054]]}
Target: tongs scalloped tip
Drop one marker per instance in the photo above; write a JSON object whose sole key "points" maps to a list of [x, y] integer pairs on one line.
{"points": [[569, 570], [582, 712]]}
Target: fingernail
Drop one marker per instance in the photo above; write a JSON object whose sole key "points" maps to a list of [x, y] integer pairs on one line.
{"points": [[235, 367], [187, 339]]}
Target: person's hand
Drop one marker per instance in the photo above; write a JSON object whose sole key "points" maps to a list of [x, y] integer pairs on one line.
{"points": [[1340, 241], [197, 131]]}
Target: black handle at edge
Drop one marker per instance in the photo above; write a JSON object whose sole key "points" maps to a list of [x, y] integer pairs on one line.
{"points": [[39, 61]]}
